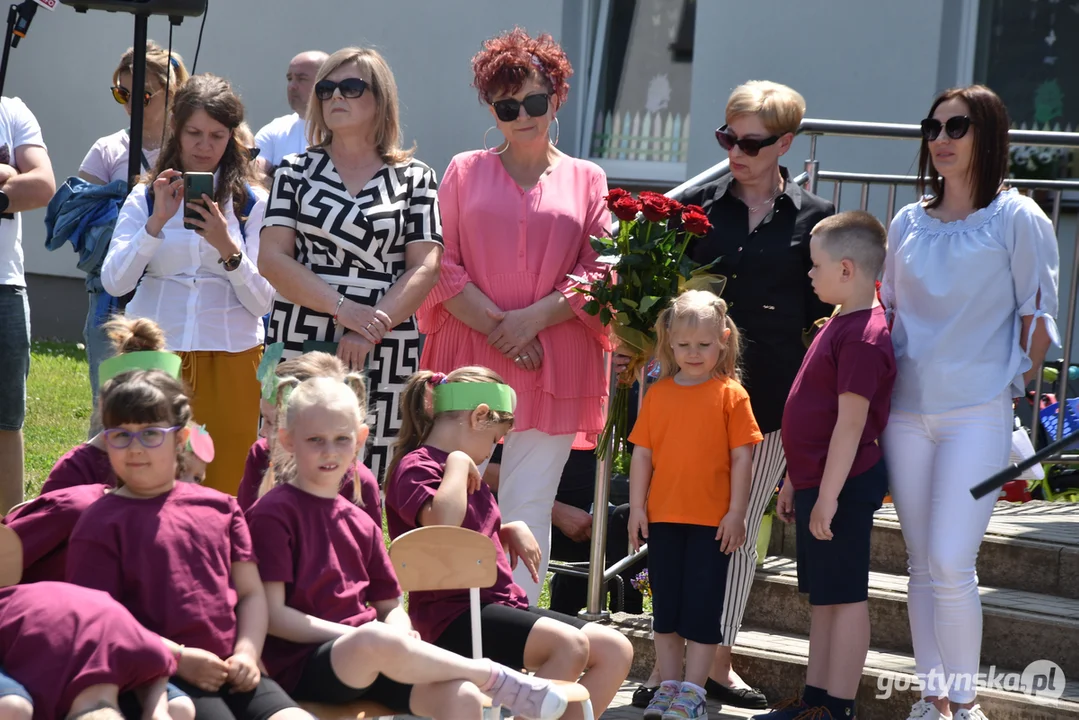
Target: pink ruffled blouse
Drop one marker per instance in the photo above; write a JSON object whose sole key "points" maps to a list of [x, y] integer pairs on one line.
{"points": [[517, 247]]}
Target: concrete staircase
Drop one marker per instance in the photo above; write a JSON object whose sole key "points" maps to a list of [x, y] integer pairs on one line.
{"points": [[1029, 573]]}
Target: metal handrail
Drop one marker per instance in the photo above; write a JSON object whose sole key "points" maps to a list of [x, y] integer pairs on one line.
{"points": [[815, 128]]}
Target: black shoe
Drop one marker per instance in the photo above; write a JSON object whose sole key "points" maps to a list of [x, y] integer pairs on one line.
{"points": [[748, 698], [643, 695], [791, 709]]}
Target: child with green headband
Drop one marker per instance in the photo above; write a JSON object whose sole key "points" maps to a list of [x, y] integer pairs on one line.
{"points": [[450, 425], [138, 344]]}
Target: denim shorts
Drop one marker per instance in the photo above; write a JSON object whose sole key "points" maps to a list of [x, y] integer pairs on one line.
{"points": [[9, 686], [14, 355]]}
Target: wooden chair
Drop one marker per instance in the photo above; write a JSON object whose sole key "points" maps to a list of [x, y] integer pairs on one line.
{"points": [[446, 557]]}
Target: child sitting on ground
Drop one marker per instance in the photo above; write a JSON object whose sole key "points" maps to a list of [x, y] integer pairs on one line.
{"points": [[258, 478], [177, 555], [338, 631], [834, 416], [450, 423], [689, 491], [68, 651]]}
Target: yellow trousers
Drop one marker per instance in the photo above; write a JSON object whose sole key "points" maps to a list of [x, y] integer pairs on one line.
{"points": [[225, 398]]}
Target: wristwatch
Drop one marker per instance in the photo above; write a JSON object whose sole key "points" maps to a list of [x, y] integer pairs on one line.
{"points": [[5, 201], [232, 261]]}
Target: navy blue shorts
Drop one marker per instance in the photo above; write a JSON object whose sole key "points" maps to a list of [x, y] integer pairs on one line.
{"points": [[688, 575], [836, 571]]}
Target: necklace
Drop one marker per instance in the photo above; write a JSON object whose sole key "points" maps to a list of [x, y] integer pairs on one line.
{"points": [[775, 194]]}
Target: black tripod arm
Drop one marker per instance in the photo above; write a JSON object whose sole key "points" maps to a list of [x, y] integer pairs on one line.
{"points": [[997, 481]]}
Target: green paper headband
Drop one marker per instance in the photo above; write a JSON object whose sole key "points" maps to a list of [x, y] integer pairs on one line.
{"points": [[470, 395], [142, 360], [267, 371]]}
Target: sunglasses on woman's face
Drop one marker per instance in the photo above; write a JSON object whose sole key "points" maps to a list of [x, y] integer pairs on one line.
{"points": [[349, 87], [955, 127], [750, 146], [509, 110], [123, 96]]}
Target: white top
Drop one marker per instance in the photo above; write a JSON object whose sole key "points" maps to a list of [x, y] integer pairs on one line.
{"points": [[183, 287], [18, 127], [957, 292], [107, 158], [280, 137]]}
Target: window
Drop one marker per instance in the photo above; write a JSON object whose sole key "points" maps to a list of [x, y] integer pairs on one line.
{"points": [[637, 122], [1028, 55]]}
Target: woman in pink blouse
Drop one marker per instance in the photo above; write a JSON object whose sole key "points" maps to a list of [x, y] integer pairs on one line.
{"points": [[515, 222]]}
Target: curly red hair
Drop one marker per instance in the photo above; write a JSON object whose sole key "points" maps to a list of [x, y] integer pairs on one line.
{"points": [[507, 61]]}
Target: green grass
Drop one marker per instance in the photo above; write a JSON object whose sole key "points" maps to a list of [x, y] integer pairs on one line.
{"points": [[57, 407]]}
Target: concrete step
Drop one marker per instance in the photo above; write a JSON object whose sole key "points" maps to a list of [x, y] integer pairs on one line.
{"points": [[1018, 627], [776, 663], [1032, 547]]}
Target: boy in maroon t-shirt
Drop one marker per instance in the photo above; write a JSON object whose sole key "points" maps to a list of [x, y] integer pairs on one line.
{"points": [[834, 416]]}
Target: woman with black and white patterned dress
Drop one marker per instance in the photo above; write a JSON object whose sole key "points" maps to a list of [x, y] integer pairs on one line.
{"points": [[352, 240]]}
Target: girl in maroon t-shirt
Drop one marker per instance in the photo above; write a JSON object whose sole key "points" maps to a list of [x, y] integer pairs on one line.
{"points": [[450, 424], [177, 555], [338, 632], [257, 479]]}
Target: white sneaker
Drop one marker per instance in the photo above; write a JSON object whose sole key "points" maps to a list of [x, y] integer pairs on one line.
{"points": [[925, 710], [974, 713]]}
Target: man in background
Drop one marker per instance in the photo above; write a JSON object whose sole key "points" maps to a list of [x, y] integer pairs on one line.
{"points": [[285, 135], [26, 183]]}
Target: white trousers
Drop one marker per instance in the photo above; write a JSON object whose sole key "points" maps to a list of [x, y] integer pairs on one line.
{"points": [[933, 461], [532, 464]]}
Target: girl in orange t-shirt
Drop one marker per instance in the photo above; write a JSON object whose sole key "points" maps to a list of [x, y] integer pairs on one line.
{"points": [[687, 499]]}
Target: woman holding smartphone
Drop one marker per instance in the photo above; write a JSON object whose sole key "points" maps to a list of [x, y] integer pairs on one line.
{"points": [[193, 265]]}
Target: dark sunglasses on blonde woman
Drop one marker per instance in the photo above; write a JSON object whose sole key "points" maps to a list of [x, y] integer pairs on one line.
{"points": [[349, 87], [509, 110], [955, 127], [750, 146], [123, 96]]}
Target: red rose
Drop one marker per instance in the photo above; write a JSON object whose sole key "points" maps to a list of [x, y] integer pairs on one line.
{"points": [[695, 221], [674, 207], [614, 196], [626, 208], [656, 207]]}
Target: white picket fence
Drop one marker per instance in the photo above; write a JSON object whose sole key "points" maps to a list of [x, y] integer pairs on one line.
{"points": [[653, 137]]}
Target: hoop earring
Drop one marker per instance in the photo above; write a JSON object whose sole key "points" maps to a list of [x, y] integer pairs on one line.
{"points": [[556, 133], [495, 151]]}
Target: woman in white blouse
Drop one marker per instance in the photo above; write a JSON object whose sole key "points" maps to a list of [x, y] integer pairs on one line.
{"points": [[202, 286], [971, 284]]}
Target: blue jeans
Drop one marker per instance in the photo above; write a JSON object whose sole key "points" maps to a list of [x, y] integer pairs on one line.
{"points": [[14, 356], [98, 349]]}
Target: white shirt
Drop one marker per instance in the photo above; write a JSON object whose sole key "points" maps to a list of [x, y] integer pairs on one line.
{"points": [[18, 128], [957, 292], [107, 159], [280, 137], [183, 288]]}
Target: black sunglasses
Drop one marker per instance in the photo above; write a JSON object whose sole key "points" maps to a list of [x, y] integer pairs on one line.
{"points": [[349, 87], [956, 127], [509, 110], [749, 146]]}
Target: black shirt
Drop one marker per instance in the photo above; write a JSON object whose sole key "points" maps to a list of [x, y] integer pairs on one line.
{"points": [[770, 295]]}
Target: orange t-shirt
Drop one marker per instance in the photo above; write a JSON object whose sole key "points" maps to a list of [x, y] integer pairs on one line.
{"points": [[691, 431]]}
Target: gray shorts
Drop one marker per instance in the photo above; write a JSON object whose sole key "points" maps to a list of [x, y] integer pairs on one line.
{"points": [[14, 355]]}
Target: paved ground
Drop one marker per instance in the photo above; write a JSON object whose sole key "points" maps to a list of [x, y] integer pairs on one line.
{"points": [[620, 709]]}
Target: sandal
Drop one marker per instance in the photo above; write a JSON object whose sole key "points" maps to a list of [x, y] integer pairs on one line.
{"points": [[643, 695]]}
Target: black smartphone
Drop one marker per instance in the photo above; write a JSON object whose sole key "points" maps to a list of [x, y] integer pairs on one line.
{"points": [[196, 184]]}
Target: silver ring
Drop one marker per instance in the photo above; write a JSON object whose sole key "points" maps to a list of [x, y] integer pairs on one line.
{"points": [[524, 356], [517, 359]]}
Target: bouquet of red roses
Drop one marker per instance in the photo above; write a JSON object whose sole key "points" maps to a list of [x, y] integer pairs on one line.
{"points": [[648, 267]]}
